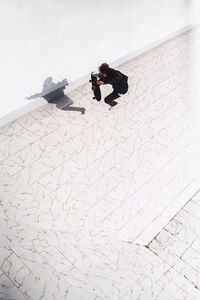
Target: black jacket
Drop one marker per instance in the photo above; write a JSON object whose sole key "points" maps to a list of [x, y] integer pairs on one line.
{"points": [[116, 79]]}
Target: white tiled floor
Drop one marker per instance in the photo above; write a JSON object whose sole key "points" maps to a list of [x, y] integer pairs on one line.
{"points": [[82, 198]]}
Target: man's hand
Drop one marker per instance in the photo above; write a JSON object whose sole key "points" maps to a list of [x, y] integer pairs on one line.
{"points": [[99, 82]]}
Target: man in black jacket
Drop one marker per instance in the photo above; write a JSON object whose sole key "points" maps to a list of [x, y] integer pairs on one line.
{"points": [[118, 81]]}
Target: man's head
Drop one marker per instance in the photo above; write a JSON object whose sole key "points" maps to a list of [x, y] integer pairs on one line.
{"points": [[103, 69]]}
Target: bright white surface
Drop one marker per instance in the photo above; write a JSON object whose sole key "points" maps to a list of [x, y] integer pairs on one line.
{"points": [[70, 39], [74, 189]]}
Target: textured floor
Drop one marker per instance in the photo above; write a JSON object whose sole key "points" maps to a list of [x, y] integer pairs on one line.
{"points": [[82, 197]]}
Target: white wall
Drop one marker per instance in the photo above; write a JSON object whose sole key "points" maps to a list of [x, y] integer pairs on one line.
{"points": [[69, 38]]}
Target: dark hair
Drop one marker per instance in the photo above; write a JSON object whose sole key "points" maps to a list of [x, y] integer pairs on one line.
{"points": [[104, 68]]}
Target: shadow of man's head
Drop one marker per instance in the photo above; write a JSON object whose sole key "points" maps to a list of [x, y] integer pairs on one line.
{"points": [[48, 84]]}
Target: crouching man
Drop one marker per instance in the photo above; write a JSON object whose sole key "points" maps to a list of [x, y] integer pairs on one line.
{"points": [[118, 81]]}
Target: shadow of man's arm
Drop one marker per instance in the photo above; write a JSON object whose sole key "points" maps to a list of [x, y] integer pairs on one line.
{"points": [[34, 96]]}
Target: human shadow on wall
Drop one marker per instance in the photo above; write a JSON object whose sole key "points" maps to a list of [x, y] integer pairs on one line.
{"points": [[54, 93]]}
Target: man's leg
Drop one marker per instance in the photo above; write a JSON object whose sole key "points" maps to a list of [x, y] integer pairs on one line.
{"points": [[111, 97]]}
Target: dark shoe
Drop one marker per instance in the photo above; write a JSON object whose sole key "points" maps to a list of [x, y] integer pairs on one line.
{"points": [[112, 105]]}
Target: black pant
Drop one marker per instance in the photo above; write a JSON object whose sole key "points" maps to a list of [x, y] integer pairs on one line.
{"points": [[112, 96]]}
